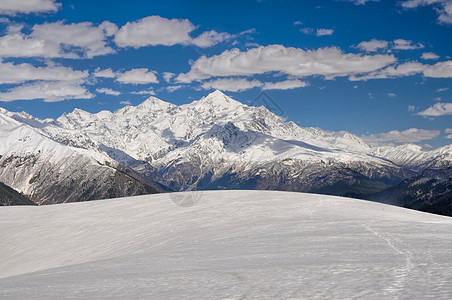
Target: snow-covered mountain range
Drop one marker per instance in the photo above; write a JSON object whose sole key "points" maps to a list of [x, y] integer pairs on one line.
{"points": [[213, 143]]}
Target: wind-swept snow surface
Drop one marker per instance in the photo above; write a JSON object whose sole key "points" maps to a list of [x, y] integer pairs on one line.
{"points": [[224, 244]]}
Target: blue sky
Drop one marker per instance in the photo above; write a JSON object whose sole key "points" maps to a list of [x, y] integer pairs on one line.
{"points": [[379, 69]]}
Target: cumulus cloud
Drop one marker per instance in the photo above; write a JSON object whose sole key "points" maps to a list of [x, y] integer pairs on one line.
{"points": [[442, 7], [144, 92], [406, 69], [75, 40], [167, 76], [106, 73], [401, 44], [155, 30], [284, 85], [441, 69], [439, 109], [321, 32], [108, 91], [231, 84], [82, 39], [19, 73], [373, 45], [392, 95], [442, 89], [52, 91], [329, 62], [13, 7], [429, 55], [125, 102], [438, 70], [412, 135], [138, 76], [210, 38]]}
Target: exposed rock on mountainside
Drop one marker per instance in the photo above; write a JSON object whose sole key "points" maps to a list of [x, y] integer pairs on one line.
{"points": [[8, 197]]}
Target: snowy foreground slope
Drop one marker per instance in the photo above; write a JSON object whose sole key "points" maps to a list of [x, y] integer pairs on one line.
{"points": [[230, 244]]}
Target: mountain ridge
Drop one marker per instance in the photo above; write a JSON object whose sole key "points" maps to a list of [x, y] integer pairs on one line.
{"points": [[218, 142]]}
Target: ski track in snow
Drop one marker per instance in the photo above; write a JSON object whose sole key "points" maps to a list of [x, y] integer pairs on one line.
{"points": [[400, 274], [228, 245]]}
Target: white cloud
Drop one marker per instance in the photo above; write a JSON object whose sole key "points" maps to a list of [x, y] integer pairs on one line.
{"points": [[155, 30], [138, 76], [406, 69], [11, 73], [411, 107], [284, 85], [57, 40], [328, 62], [317, 32], [210, 38], [442, 90], [108, 91], [13, 7], [439, 109], [429, 55], [173, 88], [401, 44], [438, 70], [106, 73], [167, 76], [442, 7], [441, 69], [231, 84], [82, 39], [322, 31], [412, 135], [373, 45], [361, 2], [307, 30], [20, 45], [109, 28], [298, 23], [125, 102], [392, 95], [145, 92], [49, 91], [448, 131]]}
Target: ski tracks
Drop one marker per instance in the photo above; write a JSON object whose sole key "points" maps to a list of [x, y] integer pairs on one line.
{"points": [[401, 273]]}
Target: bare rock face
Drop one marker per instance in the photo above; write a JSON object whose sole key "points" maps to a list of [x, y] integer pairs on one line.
{"points": [[8, 197]]}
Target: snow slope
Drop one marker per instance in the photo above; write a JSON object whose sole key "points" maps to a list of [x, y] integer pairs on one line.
{"points": [[229, 244]]}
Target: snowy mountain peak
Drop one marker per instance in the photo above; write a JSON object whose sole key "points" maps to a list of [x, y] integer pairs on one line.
{"points": [[217, 99], [154, 104]]}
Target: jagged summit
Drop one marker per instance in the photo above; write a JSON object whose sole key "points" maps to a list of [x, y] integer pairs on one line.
{"points": [[154, 103], [218, 100]]}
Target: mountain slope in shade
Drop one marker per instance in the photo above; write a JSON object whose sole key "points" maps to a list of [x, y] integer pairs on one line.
{"points": [[230, 244], [430, 191], [47, 171], [8, 196]]}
